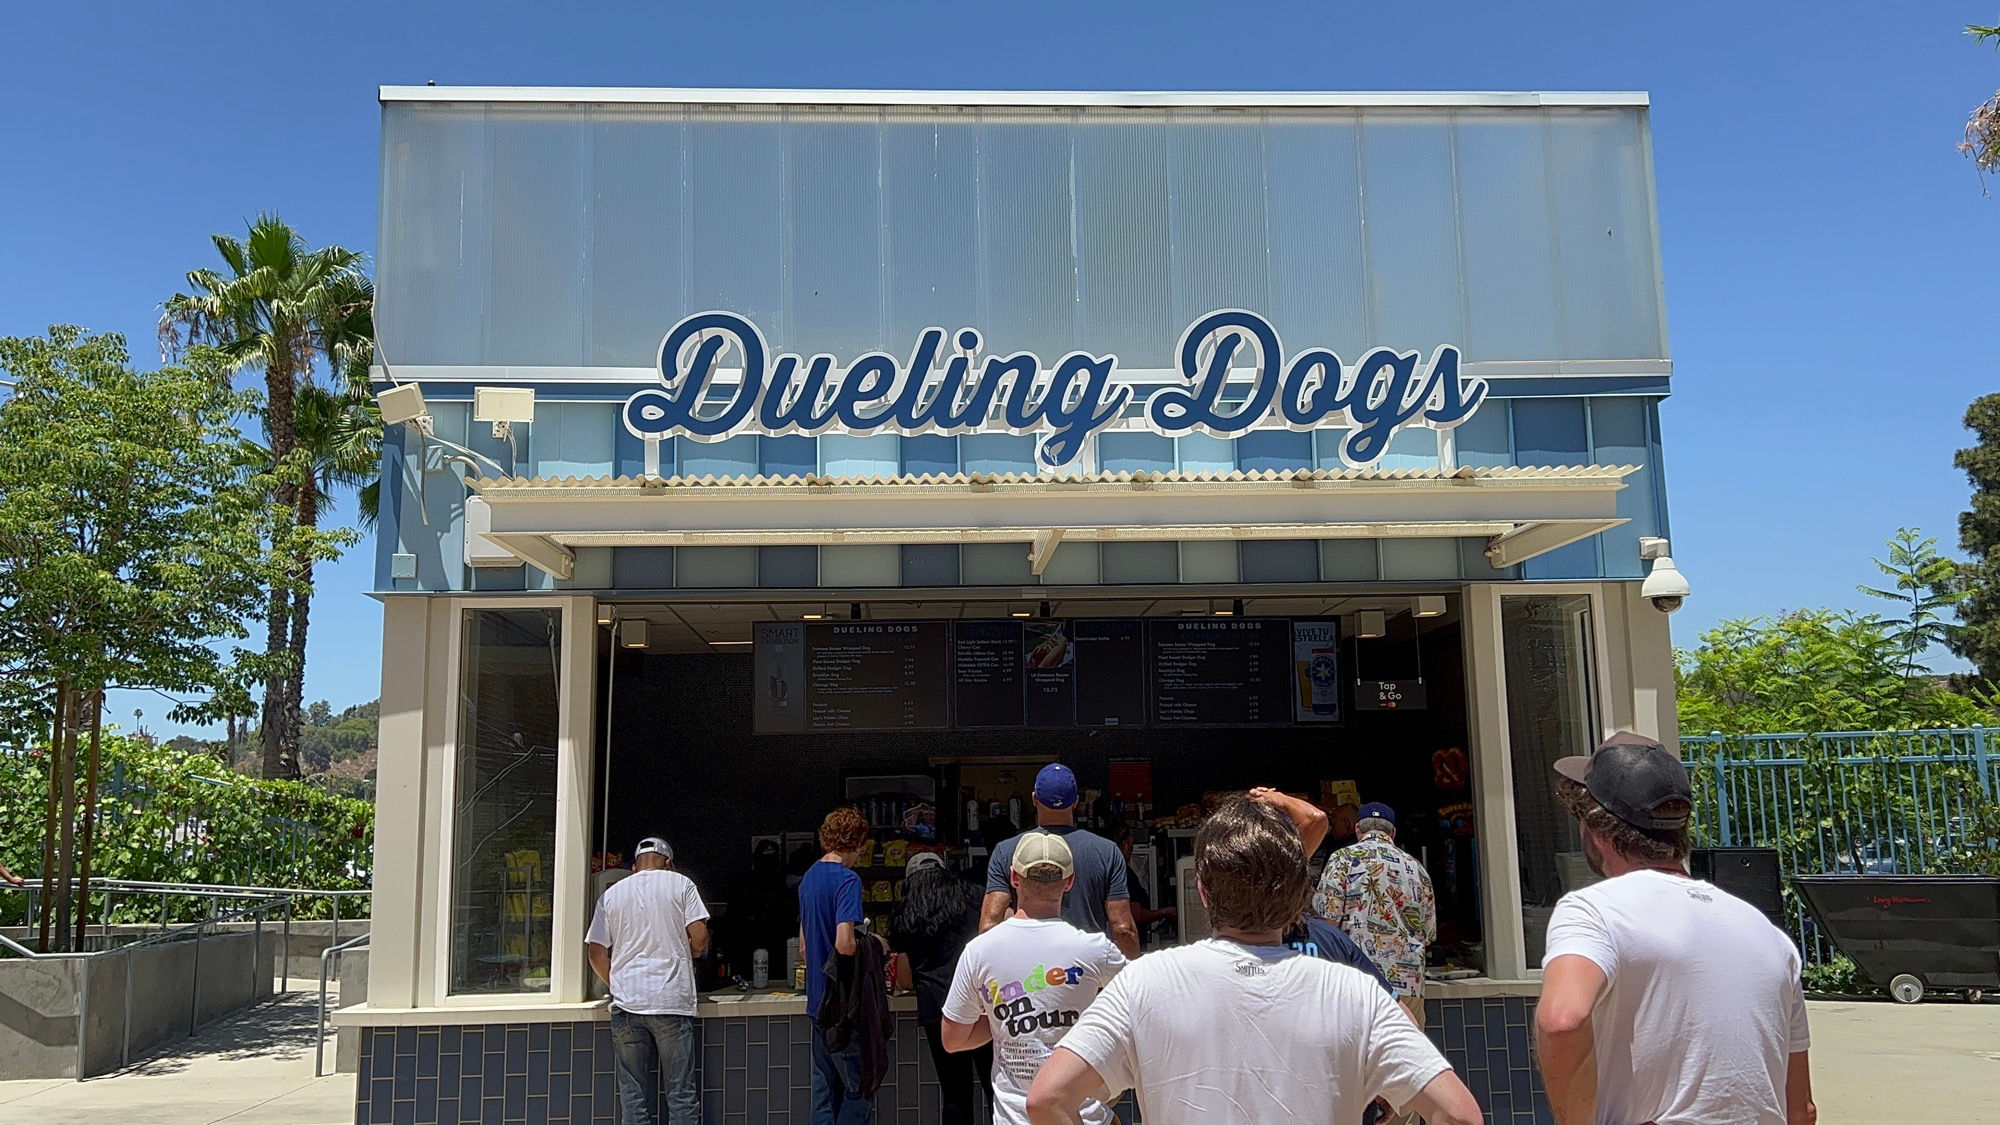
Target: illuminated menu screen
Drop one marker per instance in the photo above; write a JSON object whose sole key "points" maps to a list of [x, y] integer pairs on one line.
{"points": [[1044, 674], [1221, 671]]}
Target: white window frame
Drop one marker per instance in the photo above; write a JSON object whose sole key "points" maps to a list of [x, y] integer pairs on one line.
{"points": [[1493, 761], [570, 872]]}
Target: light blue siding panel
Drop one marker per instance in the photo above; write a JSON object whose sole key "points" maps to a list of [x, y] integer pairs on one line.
{"points": [[642, 568], [1349, 560], [1618, 428], [929, 454], [790, 456], [788, 567], [997, 453], [1551, 431], [930, 564], [1483, 441], [1407, 559], [847, 455], [1274, 450], [1139, 563], [1202, 453], [575, 439], [1131, 453], [1411, 449], [730, 457], [1578, 560]]}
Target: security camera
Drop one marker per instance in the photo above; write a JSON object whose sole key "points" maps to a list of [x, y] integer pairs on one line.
{"points": [[1666, 587]]}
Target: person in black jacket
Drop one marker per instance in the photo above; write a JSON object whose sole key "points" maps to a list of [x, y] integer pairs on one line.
{"points": [[938, 915]]}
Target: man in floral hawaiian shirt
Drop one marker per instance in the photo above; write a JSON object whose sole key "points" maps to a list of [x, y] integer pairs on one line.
{"points": [[1381, 896]]}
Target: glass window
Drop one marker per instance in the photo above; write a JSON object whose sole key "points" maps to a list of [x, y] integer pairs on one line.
{"points": [[1551, 713], [505, 806]]}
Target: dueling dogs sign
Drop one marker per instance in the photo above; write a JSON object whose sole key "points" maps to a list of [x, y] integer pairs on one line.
{"points": [[1065, 404]]}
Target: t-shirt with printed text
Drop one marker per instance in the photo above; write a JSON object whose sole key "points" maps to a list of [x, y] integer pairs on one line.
{"points": [[1033, 978]]}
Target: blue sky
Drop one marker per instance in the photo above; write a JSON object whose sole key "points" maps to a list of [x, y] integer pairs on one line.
{"points": [[1830, 259]]}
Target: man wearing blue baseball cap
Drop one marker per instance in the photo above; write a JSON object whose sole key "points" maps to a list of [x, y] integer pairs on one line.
{"points": [[1381, 897], [1098, 902]]}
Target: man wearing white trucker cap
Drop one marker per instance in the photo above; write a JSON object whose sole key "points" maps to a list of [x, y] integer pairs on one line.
{"points": [[1664, 999], [1023, 983], [648, 930]]}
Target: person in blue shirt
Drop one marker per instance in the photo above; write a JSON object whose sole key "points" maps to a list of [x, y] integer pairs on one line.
{"points": [[830, 920]]}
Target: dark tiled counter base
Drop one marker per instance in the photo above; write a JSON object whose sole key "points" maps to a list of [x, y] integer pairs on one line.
{"points": [[758, 1069]]}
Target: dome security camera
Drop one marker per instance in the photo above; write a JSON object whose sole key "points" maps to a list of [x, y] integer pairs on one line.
{"points": [[1666, 587]]}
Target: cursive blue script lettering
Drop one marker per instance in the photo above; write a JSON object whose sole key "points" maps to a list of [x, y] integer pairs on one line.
{"points": [[944, 388]]}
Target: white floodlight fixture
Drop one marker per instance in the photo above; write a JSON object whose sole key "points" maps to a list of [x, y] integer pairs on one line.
{"points": [[1370, 623], [503, 406], [1430, 605]]}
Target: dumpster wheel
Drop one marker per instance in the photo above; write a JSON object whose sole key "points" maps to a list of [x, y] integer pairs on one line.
{"points": [[1975, 995], [1906, 989]]}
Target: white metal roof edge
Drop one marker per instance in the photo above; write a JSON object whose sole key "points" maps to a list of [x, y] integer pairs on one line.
{"points": [[1138, 99], [1520, 477]]}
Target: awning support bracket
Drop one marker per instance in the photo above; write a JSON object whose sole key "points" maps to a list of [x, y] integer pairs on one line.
{"points": [[1042, 549]]}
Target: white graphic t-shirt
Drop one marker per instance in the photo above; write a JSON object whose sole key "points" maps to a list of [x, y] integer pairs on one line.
{"points": [[1222, 1032], [1703, 1006], [1032, 978]]}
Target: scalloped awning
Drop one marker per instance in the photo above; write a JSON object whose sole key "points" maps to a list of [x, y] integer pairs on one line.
{"points": [[1521, 512]]}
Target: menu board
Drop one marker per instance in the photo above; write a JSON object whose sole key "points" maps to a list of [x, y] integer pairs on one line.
{"points": [[1044, 674], [862, 675], [1110, 674], [986, 681], [1220, 672]]}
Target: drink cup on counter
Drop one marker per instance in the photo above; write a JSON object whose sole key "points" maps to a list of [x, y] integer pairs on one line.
{"points": [[760, 974]]}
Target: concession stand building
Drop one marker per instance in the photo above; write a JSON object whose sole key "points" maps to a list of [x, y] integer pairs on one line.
{"points": [[753, 452]]}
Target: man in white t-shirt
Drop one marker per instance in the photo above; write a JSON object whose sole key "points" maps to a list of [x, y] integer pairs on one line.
{"points": [[1664, 999], [647, 932], [1023, 983], [1239, 1027]]}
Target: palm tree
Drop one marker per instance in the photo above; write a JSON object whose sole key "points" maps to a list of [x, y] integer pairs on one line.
{"points": [[274, 309]]}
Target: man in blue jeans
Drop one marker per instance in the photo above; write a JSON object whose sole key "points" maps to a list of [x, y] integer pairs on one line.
{"points": [[648, 930], [830, 926]]}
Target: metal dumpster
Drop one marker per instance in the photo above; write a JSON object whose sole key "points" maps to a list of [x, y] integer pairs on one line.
{"points": [[1912, 933]]}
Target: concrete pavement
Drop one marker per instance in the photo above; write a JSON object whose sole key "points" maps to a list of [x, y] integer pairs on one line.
{"points": [[254, 1068], [1938, 1061]]}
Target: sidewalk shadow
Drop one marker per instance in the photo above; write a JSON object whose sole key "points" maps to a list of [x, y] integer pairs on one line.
{"points": [[281, 1029]]}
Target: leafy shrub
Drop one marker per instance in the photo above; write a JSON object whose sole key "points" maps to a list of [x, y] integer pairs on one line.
{"points": [[1836, 976], [169, 816]]}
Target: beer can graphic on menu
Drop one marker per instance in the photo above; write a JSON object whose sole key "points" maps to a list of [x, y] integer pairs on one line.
{"points": [[1323, 674]]}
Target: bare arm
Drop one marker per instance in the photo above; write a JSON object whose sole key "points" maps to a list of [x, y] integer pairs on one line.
{"points": [[1444, 1100], [1061, 1087], [843, 939], [1307, 817], [993, 910], [697, 937], [1571, 986], [600, 961], [958, 1036], [1124, 931], [1799, 1107]]}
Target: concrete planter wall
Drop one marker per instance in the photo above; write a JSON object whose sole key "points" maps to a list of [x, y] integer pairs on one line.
{"points": [[76, 1017]]}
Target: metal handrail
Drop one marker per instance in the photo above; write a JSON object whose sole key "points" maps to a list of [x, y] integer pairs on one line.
{"points": [[326, 958]]}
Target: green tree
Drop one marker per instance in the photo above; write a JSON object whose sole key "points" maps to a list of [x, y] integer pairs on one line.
{"points": [[1982, 130], [1926, 587], [1810, 670], [279, 308], [132, 548], [1977, 637]]}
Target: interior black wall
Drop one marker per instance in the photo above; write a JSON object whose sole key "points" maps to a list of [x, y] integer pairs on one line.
{"points": [[685, 765]]}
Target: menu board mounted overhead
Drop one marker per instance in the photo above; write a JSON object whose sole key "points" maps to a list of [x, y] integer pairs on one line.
{"points": [[1044, 674]]}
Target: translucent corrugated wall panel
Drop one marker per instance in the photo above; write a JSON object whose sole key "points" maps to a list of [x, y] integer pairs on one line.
{"points": [[833, 254], [930, 204], [1412, 210], [1318, 287], [1604, 224], [1027, 243], [574, 439], [1217, 178], [736, 216], [540, 158], [638, 251], [1512, 298], [432, 272], [1124, 264]]}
